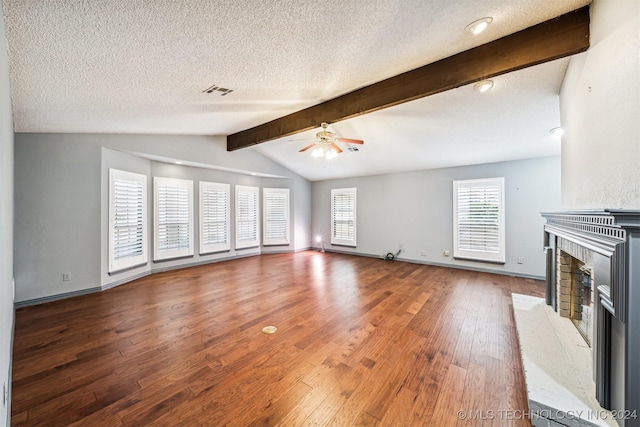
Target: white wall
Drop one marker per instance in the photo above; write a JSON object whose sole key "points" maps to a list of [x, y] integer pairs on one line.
{"points": [[415, 209], [6, 225], [61, 203], [600, 113]]}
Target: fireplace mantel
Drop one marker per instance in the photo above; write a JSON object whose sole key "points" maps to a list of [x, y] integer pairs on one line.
{"points": [[613, 238], [605, 233]]}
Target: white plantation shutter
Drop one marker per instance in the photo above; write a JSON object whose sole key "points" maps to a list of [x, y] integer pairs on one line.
{"points": [[173, 218], [247, 217], [479, 231], [276, 216], [343, 216], [127, 220], [214, 217]]}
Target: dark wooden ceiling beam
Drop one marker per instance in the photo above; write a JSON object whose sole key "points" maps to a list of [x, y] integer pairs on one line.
{"points": [[557, 38]]}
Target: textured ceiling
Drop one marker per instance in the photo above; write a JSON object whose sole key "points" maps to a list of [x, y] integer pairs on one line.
{"points": [[142, 66]]}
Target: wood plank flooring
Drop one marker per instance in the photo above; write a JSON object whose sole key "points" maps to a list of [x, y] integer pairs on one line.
{"points": [[360, 341]]}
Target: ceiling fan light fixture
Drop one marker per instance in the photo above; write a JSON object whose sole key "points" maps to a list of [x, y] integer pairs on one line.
{"points": [[326, 147], [476, 27], [483, 86], [324, 152]]}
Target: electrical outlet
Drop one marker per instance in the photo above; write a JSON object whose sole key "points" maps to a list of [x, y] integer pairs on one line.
{"points": [[66, 277], [5, 395], [520, 260], [446, 253], [423, 253], [401, 246]]}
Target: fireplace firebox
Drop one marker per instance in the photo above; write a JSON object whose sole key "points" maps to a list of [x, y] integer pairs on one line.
{"points": [[593, 277]]}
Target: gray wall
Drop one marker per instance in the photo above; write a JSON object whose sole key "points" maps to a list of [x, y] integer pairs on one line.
{"points": [[415, 209], [600, 113], [61, 203], [6, 224], [57, 208]]}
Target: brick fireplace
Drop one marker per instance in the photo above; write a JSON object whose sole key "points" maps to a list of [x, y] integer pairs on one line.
{"points": [[574, 289], [593, 278]]}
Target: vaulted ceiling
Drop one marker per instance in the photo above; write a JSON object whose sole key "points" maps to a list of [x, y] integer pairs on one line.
{"points": [[146, 67]]}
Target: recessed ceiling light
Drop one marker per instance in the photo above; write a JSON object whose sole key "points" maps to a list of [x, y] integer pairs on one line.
{"points": [[476, 27], [483, 86], [178, 163], [556, 131]]}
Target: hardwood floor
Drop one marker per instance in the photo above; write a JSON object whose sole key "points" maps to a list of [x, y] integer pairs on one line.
{"points": [[360, 341]]}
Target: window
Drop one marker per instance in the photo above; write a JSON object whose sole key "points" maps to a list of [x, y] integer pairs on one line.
{"points": [[343, 217], [173, 218], [478, 219], [127, 220], [214, 217], [247, 217], [276, 216]]}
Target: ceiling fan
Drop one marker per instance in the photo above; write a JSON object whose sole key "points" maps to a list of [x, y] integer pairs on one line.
{"points": [[326, 145]]}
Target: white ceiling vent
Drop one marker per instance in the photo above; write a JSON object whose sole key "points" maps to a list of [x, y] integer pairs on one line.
{"points": [[223, 91]]}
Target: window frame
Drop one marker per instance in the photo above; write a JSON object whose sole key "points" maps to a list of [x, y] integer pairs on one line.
{"points": [[165, 254], [119, 264], [268, 223], [340, 239], [202, 217], [255, 192], [486, 185]]}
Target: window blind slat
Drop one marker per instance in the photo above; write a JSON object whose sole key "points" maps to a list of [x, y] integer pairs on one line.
{"points": [[214, 200], [174, 216], [343, 213], [127, 222], [276, 216], [128, 213], [247, 234], [478, 219]]}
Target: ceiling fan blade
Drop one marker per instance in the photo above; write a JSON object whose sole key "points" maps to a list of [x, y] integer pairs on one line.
{"points": [[350, 141], [306, 148], [335, 147]]}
